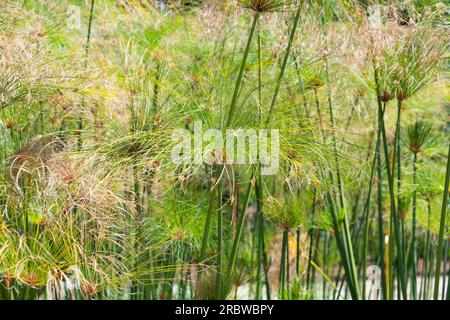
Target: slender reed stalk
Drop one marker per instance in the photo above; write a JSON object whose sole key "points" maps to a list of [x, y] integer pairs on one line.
{"points": [[381, 236], [445, 275], [442, 227], [347, 235], [239, 229], [311, 243], [219, 272], [447, 296], [207, 225], [417, 135], [283, 264], [260, 236], [284, 64], [414, 232], [266, 272], [394, 217], [241, 70], [258, 182], [396, 164]]}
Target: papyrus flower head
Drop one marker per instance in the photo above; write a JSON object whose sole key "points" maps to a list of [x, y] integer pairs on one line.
{"points": [[263, 6]]}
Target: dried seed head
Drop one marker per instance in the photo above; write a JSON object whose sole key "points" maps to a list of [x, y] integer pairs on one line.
{"points": [[89, 289]]}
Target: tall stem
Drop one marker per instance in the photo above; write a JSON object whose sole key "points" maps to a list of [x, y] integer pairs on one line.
{"points": [[445, 268], [414, 229], [382, 248], [347, 235], [442, 227], [283, 66], [207, 225], [260, 235], [397, 164], [282, 276], [427, 255], [394, 217], [258, 187], [366, 214], [239, 228], [311, 243], [241, 70], [219, 277]]}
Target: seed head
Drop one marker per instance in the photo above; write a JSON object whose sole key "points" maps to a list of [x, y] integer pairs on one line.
{"points": [[386, 96], [401, 95], [417, 136], [315, 82], [262, 6], [89, 289]]}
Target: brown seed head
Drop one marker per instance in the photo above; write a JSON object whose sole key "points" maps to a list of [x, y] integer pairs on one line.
{"points": [[262, 6], [386, 96]]}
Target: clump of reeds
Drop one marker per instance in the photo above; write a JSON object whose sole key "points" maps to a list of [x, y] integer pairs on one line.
{"points": [[94, 208]]}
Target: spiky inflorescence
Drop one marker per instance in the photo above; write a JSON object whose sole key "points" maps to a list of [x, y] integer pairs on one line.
{"points": [[262, 6], [419, 62], [417, 135]]}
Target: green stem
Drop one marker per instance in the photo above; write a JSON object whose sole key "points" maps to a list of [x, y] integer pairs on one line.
{"points": [[447, 296], [445, 268], [207, 225], [381, 226], [414, 231], [282, 276], [241, 70], [394, 216], [311, 244], [219, 277], [442, 227], [260, 233], [266, 272], [398, 161], [239, 228], [347, 235], [366, 215], [283, 66], [326, 253]]}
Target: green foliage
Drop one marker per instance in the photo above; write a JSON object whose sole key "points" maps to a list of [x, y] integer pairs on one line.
{"points": [[100, 211]]}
